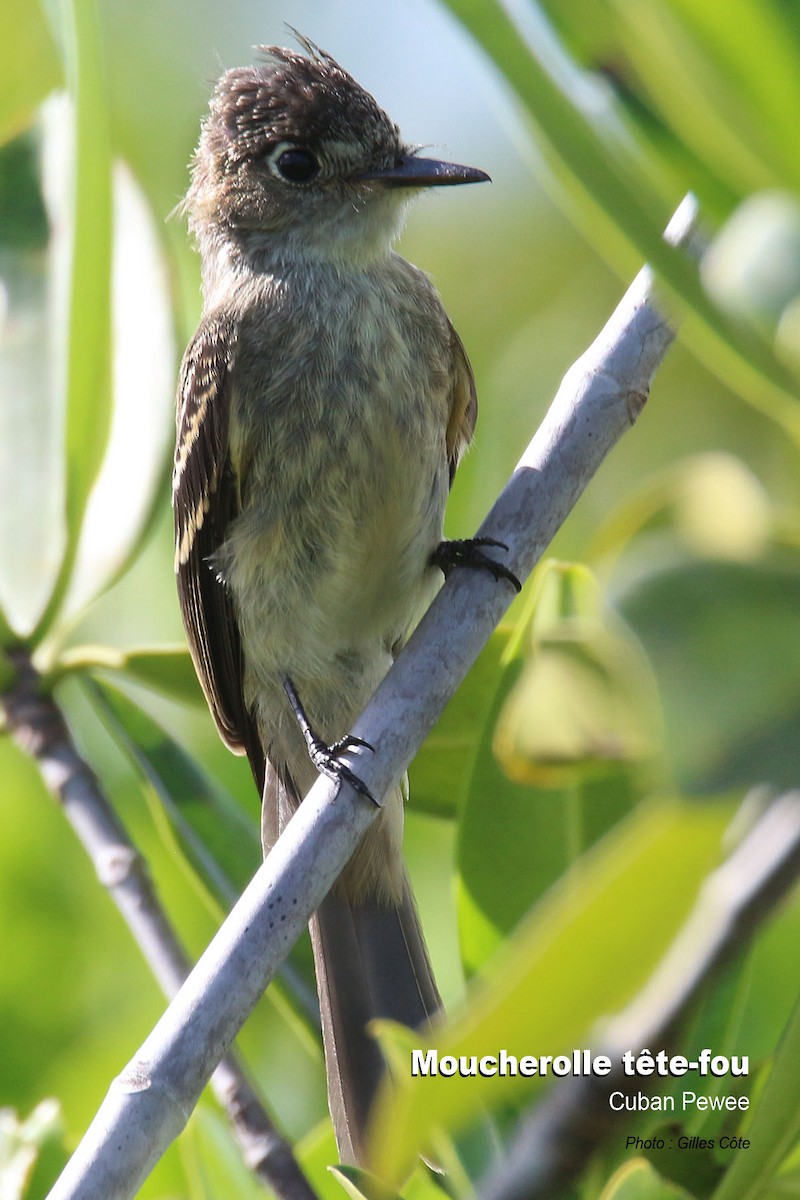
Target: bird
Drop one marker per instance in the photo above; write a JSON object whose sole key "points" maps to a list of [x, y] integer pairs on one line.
{"points": [[324, 403]]}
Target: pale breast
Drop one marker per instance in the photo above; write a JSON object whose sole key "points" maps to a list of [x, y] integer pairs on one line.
{"points": [[340, 412]]}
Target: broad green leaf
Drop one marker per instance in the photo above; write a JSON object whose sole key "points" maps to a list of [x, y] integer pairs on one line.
{"points": [[584, 702], [462, 1155], [31, 442], [498, 848], [701, 103], [774, 1128], [440, 773], [89, 353], [614, 197], [706, 623], [317, 1150], [753, 45], [785, 1187], [582, 953], [510, 851], [166, 669], [131, 490], [121, 503], [537, 758], [199, 813], [579, 709], [88, 312], [29, 65], [638, 1180], [697, 1171]]}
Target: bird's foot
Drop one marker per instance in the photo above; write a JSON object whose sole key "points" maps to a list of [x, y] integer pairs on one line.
{"points": [[469, 552], [326, 758]]}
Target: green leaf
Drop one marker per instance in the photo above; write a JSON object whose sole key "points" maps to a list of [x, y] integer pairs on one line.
{"points": [[512, 850], [29, 65], [193, 811], [753, 46], [703, 623], [585, 702], [441, 771], [697, 96], [131, 489], [537, 759], [774, 1127], [111, 498], [88, 329], [582, 953], [617, 200], [361, 1185], [166, 669], [638, 1180], [31, 443]]}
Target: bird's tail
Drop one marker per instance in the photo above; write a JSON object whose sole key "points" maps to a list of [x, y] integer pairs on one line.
{"points": [[371, 962]]}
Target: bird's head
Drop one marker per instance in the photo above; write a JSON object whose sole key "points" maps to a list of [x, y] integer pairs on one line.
{"points": [[293, 149]]}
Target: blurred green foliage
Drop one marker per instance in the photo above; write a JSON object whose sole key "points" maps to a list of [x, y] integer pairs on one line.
{"points": [[655, 657]]}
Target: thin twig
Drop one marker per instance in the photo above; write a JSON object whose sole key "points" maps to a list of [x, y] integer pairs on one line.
{"points": [[147, 1106], [37, 725], [554, 1143]]}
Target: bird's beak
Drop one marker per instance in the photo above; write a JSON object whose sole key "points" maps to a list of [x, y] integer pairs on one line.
{"points": [[425, 172]]}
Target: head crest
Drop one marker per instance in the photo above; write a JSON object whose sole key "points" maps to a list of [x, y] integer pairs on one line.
{"points": [[298, 96]]}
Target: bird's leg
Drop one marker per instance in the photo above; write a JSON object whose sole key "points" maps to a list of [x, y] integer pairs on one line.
{"points": [[326, 757], [469, 552]]}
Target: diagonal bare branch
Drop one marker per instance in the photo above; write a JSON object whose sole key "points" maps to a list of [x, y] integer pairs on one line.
{"points": [[37, 725], [553, 1144], [149, 1103]]}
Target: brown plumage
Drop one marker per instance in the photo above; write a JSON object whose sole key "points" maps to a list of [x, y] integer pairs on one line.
{"points": [[324, 403]]}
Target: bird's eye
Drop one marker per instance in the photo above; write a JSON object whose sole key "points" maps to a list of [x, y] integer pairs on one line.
{"points": [[296, 165]]}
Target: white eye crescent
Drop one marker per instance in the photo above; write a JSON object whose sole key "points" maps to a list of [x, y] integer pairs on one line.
{"points": [[293, 163]]}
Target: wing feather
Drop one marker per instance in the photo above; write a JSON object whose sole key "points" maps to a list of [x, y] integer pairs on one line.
{"points": [[205, 497], [463, 406]]}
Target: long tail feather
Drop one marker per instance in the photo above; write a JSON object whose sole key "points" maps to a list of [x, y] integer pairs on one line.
{"points": [[371, 961]]}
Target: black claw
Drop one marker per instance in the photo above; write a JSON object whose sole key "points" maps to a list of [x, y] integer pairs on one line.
{"points": [[328, 764], [468, 552], [324, 757], [347, 743]]}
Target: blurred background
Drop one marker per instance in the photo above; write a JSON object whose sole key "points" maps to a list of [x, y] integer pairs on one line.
{"points": [[593, 118]]}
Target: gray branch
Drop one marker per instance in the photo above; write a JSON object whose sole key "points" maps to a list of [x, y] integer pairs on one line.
{"points": [[37, 725], [554, 1143], [150, 1102]]}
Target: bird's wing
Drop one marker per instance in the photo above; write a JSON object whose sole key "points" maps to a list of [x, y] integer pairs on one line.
{"points": [[205, 499], [463, 404]]}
